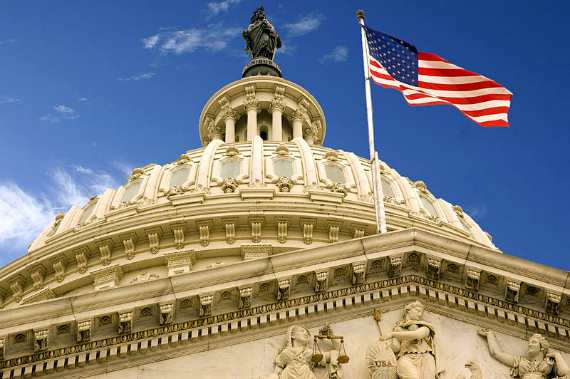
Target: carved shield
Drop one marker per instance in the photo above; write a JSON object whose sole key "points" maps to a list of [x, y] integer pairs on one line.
{"points": [[381, 361]]}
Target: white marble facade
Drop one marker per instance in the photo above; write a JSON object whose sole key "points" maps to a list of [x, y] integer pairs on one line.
{"points": [[457, 342]]}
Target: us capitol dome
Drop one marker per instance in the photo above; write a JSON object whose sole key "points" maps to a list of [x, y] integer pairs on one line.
{"points": [[191, 265]]}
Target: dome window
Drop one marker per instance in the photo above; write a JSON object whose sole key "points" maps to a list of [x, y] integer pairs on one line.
{"points": [[131, 191], [335, 173], [283, 167], [87, 212], [230, 168], [179, 176], [428, 206], [387, 188]]}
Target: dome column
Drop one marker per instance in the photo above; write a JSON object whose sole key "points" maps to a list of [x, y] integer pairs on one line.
{"points": [[277, 115], [251, 106], [298, 125], [277, 122], [230, 119]]}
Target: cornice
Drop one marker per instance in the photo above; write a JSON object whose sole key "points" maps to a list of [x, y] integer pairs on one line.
{"points": [[270, 319]]}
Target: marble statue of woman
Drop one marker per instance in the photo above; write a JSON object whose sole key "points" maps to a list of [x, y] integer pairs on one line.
{"points": [[538, 363], [412, 340], [294, 361]]}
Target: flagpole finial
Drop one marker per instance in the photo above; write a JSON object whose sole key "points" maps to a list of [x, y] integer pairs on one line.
{"points": [[360, 14]]}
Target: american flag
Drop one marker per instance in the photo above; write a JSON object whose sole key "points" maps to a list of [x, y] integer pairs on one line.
{"points": [[427, 79]]}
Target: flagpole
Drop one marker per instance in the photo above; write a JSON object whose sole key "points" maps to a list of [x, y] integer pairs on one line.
{"points": [[375, 164]]}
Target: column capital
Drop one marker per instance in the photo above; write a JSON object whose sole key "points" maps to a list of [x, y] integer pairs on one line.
{"points": [[230, 114], [250, 98]]}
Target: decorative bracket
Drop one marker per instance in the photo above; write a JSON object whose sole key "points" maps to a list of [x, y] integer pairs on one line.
{"points": [[129, 244], [321, 281], [206, 305], [81, 258], [358, 273], [153, 241], [512, 291], [59, 269], [283, 289], [178, 231], [552, 303], [37, 276], [125, 322], [395, 266], [282, 231], [472, 278], [40, 339], [433, 267], [166, 314], [230, 232], [105, 252], [256, 224], [245, 295], [204, 229], [84, 330], [334, 230]]}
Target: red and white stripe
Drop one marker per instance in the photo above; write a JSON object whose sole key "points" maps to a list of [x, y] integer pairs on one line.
{"points": [[439, 82]]}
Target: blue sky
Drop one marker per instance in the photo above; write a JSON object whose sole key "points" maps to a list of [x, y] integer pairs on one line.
{"points": [[91, 89]]}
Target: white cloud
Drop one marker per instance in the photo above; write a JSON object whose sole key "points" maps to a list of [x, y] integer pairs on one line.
{"points": [[338, 54], [216, 7], [62, 112], [24, 215], [151, 41], [144, 76], [63, 109], [123, 167], [9, 100], [287, 49], [50, 118], [305, 25], [82, 99], [69, 192], [212, 38]]}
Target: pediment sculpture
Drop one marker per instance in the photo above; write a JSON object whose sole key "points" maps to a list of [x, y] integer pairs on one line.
{"points": [[408, 351], [538, 363], [299, 358]]}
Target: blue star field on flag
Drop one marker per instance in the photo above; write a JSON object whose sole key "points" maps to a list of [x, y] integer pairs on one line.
{"points": [[397, 56]]}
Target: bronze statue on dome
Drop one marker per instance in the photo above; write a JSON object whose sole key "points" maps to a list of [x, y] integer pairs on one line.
{"points": [[261, 38]]}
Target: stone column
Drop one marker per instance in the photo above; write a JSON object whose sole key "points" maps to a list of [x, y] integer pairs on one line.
{"points": [[277, 115], [277, 123], [297, 126], [230, 127], [251, 121], [251, 106]]}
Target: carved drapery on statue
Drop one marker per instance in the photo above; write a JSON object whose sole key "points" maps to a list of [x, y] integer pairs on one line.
{"points": [[298, 359], [261, 38], [408, 352], [261, 43], [538, 363]]}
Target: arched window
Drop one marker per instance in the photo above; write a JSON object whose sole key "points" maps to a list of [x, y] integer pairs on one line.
{"points": [[387, 187], [179, 176], [428, 206], [87, 212], [335, 173], [230, 167], [131, 191], [283, 167]]}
